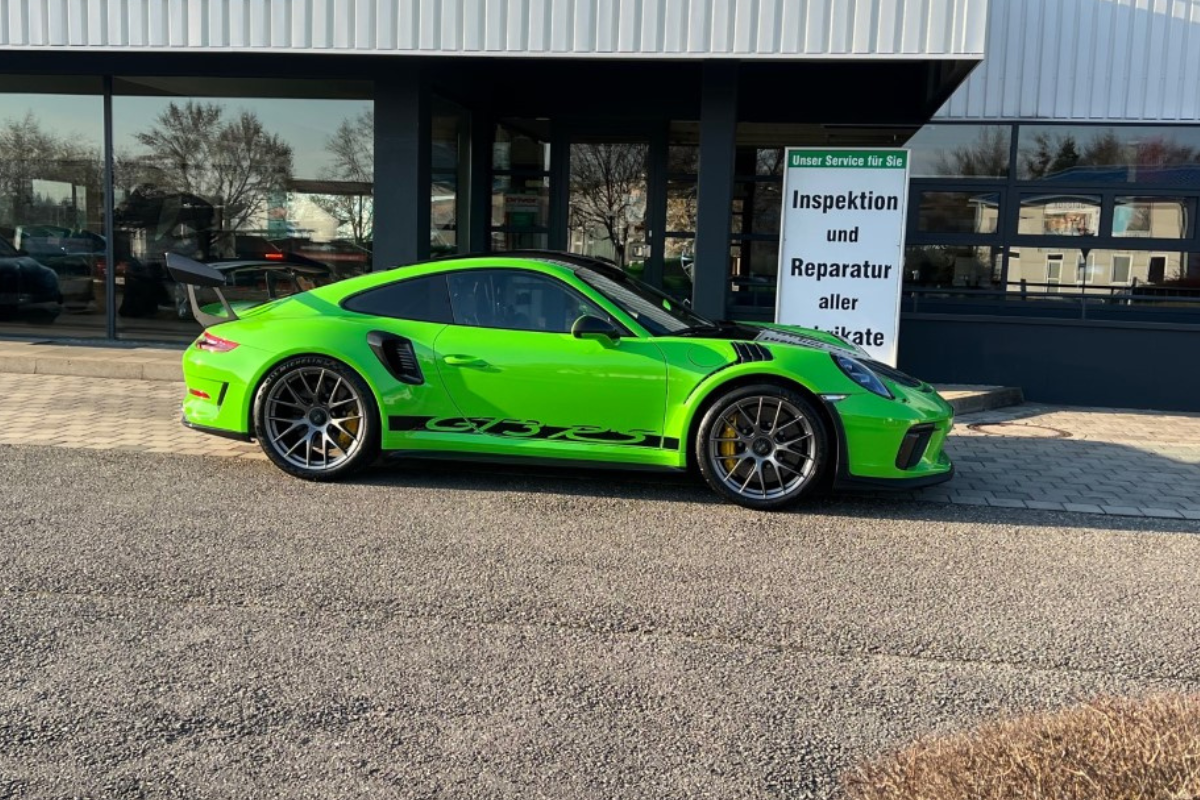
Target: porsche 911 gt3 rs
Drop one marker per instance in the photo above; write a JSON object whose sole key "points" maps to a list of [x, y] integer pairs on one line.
{"points": [[552, 357]]}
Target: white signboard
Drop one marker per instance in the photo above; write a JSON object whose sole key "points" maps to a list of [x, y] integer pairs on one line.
{"points": [[841, 250]]}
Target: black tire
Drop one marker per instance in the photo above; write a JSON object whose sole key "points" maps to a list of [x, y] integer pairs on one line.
{"points": [[297, 422], [762, 446]]}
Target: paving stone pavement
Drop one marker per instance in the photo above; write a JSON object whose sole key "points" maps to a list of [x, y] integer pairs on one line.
{"points": [[1088, 460]]}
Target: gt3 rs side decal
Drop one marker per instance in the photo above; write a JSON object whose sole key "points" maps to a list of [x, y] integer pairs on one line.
{"points": [[531, 429]]}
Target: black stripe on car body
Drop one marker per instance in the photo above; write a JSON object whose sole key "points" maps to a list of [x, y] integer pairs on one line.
{"points": [[531, 429]]}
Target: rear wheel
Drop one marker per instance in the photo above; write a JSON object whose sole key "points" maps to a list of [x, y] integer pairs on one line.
{"points": [[316, 419], [762, 446]]}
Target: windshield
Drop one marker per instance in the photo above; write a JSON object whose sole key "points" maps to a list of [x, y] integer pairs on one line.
{"points": [[6, 249], [658, 313]]}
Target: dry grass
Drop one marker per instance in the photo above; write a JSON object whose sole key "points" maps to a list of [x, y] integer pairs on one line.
{"points": [[1108, 749]]}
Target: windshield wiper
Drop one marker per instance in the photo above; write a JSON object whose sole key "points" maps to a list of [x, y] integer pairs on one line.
{"points": [[692, 330]]}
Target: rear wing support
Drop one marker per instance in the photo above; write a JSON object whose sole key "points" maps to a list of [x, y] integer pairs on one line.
{"points": [[190, 273]]}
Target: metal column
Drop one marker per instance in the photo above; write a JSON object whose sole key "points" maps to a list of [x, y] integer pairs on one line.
{"points": [[402, 168], [718, 137]]}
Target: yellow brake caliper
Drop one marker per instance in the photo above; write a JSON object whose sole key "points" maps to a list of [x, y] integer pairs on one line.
{"points": [[343, 440], [728, 449]]}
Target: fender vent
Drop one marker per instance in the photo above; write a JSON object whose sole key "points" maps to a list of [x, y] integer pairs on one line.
{"points": [[749, 351], [397, 354]]}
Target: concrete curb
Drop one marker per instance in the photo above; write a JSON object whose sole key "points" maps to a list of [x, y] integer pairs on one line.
{"points": [[982, 398], [86, 361]]}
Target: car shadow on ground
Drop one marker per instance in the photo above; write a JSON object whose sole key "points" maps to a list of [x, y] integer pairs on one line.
{"points": [[684, 487]]}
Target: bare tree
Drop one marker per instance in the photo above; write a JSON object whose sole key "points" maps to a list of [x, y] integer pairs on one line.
{"points": [[233, 164], [352, 147], [28, 153], [608, 191], [987, 156]]}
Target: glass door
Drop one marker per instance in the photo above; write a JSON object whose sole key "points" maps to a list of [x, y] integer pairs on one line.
{"points": [[614, 201]]}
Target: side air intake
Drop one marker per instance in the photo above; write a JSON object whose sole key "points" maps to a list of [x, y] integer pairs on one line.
{"points": [[397, 354]]}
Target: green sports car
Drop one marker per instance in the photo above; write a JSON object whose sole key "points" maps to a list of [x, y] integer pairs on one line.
{"points": [[556, 358]]}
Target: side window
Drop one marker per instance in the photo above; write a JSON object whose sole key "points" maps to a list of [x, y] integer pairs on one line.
{"points": [[421, 299], [514, 300]]}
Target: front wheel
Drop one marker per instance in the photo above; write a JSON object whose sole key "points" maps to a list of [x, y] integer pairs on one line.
{"points": [[316, 418], [762, 446]]}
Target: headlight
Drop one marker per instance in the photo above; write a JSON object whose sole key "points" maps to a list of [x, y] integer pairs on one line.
{"points": [[862, 375]]}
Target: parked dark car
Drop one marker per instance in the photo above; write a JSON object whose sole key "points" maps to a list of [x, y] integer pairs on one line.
{"points": [[28, 290], [73, 255]]}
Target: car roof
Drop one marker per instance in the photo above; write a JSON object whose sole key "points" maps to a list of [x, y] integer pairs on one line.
{"points": [[558, 258]]}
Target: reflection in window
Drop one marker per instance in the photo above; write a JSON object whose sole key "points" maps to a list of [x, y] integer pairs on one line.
{"points": [[516, 301], [958, 212], [679, 261], [447, 129], [520, 215], [959, 266], [52, 244], [606, 215], [1151, 217], [1059, 215], [1111, 154], [753, 267], [278, 180], [960, 151], [1095, 271]]}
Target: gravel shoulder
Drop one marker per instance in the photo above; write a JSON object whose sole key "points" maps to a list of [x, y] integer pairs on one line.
{"points": [[184, 626]]}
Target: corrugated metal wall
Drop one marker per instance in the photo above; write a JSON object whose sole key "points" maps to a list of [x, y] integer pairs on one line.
{"points": [[1103, 60], [591, 28]]}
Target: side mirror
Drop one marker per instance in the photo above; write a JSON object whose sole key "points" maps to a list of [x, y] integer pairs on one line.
{"points": [[589, 327]]}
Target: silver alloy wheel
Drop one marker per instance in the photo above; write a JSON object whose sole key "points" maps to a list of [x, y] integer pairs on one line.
{"points": [[314, 418], [763, 448]]}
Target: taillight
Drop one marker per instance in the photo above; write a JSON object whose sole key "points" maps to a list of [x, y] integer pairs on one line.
{"points": [[200, 394], [214, 344], [274, 256]]}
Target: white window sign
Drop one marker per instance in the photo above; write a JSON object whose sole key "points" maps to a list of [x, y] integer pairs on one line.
{"points": [[841, 250]]}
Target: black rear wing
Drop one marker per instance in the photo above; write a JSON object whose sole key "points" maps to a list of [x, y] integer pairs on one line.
{"points": [[191, 274]]}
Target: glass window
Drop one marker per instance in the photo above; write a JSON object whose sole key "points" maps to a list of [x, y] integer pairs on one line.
{"points": [[1098, 270], [1059, 215], [223, 178], [681, 206], [958, 212], [945, 266], [52, 238], [520, 146], [1090, 153], [683, 160], [679, 260], [1121, 266], [447, 129], [1151, 217], [423, 299], [516, 301], [753, 271], [607, 208], [520, 204], [520, 217], [960, 151]]}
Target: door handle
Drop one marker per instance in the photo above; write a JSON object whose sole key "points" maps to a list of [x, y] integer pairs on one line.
{"points": [[464, 361]]}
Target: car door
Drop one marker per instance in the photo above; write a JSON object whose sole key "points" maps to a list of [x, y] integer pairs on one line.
{"points": [[517, 374]]}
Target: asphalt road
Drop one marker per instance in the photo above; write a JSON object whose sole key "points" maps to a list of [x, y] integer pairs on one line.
{"points": [[194, 627]]}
